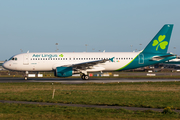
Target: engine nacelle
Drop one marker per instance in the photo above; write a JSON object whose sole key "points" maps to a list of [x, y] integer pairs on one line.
{"points": [[63, 71]]}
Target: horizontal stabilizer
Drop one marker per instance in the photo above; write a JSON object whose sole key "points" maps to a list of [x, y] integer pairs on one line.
{"points": [[158, 58]]}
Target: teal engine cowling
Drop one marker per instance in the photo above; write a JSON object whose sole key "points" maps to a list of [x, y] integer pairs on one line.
{"points": [[63, 71]]}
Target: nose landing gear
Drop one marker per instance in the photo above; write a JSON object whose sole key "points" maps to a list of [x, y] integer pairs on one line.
{"points": [[26, 75]]}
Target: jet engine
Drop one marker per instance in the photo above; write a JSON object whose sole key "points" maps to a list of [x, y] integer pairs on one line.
{"points": [[63, 71]]}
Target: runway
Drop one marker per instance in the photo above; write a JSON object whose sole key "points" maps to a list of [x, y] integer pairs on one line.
{"points": [[80, 81]]}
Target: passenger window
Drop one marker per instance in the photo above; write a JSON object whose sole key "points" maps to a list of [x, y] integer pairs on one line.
{"points": [[73, 58], [69, 58]]}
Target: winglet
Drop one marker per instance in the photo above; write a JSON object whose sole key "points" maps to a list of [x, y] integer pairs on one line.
{"points": [[111, 59]]}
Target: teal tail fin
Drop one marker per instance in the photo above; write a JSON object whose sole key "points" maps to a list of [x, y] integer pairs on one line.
{"points": [[160, 43]]}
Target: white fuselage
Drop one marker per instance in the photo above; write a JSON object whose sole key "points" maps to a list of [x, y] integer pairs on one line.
{"points": [[49, 61]]}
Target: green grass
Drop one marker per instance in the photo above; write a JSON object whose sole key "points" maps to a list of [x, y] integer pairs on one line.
{"points": [[151, 95], [157, 95], [36, 112]]}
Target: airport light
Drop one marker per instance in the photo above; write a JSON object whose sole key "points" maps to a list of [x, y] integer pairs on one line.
{"points": [[86, 47], [93, 49], [175, 49], [131, 47], [140, 46], [56, 47]]}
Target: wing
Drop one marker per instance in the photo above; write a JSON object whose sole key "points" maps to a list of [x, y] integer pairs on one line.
{"points": [[88, 65]]}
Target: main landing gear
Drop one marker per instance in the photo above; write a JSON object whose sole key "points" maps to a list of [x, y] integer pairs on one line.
{"points": [[84, 77]]}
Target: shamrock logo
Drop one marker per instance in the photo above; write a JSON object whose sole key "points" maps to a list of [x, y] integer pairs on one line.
{"points": [[160, 42], [61, 55]]}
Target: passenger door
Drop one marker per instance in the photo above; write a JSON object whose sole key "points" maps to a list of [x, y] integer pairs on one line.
{"points": [[26, 60]]}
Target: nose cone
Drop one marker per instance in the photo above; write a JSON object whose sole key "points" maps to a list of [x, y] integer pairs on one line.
{"points": [[5, 65]]}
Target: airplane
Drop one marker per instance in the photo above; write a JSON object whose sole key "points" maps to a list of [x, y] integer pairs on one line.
{"points": [[65, 64], [175, 61]]}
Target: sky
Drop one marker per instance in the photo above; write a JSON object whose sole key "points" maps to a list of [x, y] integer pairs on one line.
{"points": [[110, 25]]}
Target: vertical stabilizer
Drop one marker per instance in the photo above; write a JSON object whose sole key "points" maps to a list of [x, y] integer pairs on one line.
{"points": [[160, 43]]}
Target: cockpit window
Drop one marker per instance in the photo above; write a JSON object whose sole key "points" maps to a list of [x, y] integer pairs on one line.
{"points": [[13, 58], [10, 58]]}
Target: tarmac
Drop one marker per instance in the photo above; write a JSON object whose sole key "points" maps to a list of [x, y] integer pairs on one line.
{"points": [[80, 81]]}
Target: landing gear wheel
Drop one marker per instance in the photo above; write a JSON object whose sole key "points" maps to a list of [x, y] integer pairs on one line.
{"points": [[82, 77], [25, 78], [85, 77]]}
